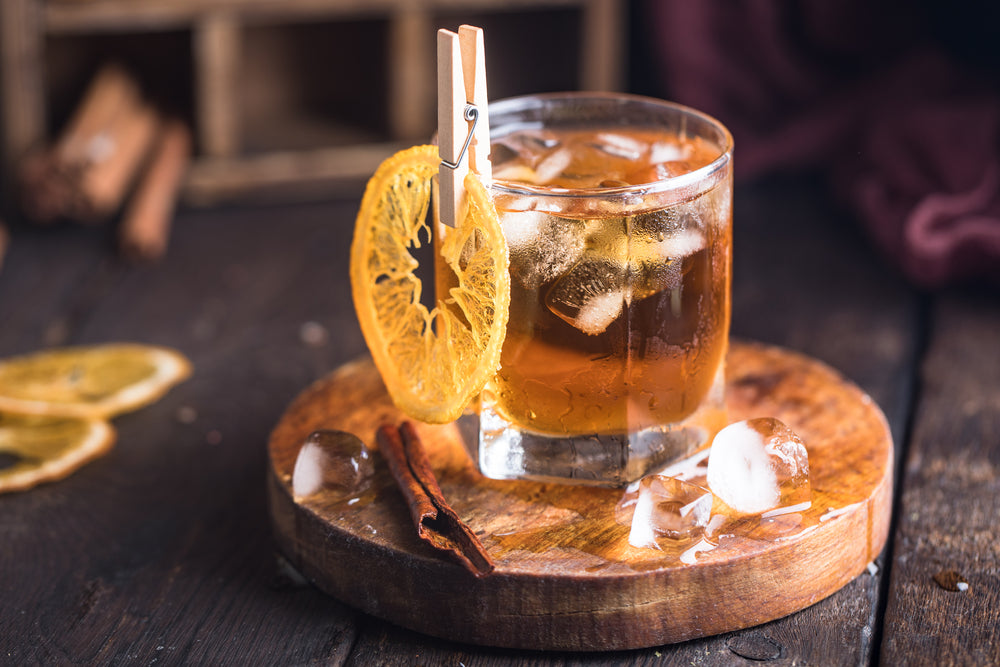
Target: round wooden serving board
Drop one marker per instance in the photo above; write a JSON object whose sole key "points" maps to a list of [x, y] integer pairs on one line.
{"points": [[566, 577]]}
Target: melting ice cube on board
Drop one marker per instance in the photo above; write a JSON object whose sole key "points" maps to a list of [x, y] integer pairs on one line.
{"points": [[333, 460], [760, 466], [667, 509]]}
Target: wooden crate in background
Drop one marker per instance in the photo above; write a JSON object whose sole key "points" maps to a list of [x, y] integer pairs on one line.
{"points": [[290, 95]]}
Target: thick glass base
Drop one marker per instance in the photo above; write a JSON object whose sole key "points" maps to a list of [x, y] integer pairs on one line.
{"points": [[508, 452]]}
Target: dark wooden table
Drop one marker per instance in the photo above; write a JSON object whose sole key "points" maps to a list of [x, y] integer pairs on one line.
{"points": [[161, 551]]}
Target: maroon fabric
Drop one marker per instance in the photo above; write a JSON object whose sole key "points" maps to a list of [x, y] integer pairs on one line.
{"points": [[910, 137]]}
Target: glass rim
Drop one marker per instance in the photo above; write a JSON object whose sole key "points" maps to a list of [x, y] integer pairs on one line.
{"points": [[687, 181]]}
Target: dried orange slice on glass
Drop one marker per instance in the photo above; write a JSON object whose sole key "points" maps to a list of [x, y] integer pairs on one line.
{"points": [[433, 362], [36, 449], [92, 382]]}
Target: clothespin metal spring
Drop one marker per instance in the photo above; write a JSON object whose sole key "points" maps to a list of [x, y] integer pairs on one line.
{"points": [[470, 113]]}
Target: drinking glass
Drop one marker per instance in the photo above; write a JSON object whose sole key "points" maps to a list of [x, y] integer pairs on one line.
{"points": [[617, 212]]}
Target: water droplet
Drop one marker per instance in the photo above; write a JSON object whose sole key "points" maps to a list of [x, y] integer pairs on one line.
{"points": [[950, 580]]}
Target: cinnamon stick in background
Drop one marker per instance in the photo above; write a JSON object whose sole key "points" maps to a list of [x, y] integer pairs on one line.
{"points": [[50, 176], [110, 93], [145, 227], [437, 523], [126, 143], [86, 174]]}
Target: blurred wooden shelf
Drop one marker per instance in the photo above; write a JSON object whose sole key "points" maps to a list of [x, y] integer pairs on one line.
{"points": [[103, 15], [228, 56]]}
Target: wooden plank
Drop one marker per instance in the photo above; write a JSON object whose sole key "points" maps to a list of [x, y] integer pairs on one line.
{"points": [[391, 646], [48, 284], [217, 58], [948, 512], [127, 15], [160, 551], [213, 180], [22, 95], [602, 60]]}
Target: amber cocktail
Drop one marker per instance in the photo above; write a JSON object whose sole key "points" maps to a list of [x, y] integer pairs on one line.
{"points": [[618, 217]]}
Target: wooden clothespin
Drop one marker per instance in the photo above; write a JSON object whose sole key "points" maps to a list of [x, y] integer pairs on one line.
{"points": [[463, 118]]}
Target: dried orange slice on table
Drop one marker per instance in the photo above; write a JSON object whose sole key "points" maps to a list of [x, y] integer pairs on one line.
{"points": [[54, 405], [36, 449], [433, 362], [97, 381]]}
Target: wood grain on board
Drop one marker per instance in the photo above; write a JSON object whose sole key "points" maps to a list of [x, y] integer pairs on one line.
{"points": [[566, 577]]}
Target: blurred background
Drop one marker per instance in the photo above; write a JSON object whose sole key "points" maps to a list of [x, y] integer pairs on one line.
{"points": [[893, 104]]}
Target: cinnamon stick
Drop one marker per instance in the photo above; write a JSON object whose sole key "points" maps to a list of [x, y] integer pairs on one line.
{"points": [[87, 173], [145, 228], [106, 180], [437, 523], [110, 93]]}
